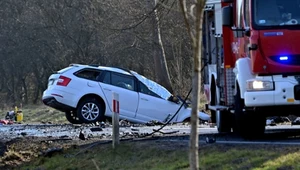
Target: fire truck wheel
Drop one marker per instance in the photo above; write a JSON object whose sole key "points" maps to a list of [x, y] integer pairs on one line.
{"points": [[213, 102], [256, 125], [239, 115], [72, 118], [223, 119], [248, 124]]}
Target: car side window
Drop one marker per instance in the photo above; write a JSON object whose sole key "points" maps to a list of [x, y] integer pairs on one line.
{"points": [[89, 74], [106, 78], [123, 81], [145, 90]]}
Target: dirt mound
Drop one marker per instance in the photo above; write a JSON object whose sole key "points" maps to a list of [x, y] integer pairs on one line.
{"points": [[3, 148], [24, 149]]}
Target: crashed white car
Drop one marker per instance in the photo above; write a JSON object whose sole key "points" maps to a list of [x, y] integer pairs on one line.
{"points": [[84, 93]]}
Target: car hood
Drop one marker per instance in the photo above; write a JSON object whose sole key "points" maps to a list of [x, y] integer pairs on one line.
{"points": [[153, 86]]}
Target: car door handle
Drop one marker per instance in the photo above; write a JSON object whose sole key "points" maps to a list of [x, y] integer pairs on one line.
{"points": [[144, 99], [106, 89]]}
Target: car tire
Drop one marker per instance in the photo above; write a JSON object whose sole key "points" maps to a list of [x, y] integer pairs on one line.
{"points": [[89, 110], [248, 124], [72, 118]]}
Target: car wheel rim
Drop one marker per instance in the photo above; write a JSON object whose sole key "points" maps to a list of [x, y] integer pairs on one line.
{"points": [[90, 111]]}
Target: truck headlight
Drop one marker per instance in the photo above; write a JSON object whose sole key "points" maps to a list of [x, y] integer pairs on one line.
{"points": [[259, 85]]}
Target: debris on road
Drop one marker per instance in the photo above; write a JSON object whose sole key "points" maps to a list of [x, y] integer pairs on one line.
{"points": [[23, 133], [154, 123], [102, 125], [273, 121], [81, 135], [210, 139], [166, 132], [270, 122], [296, 121], [134, 129], [6, 122], [96, 129], [124, 123]]}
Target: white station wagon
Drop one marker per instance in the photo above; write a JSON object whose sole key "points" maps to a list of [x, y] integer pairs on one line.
{"points": [[84, 93]]}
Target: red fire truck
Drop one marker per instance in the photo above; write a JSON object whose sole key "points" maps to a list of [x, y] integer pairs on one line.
{"points": [[251, 62]]}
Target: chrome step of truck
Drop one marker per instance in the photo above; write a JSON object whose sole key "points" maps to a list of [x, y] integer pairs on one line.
{"points": [[217, 107]]}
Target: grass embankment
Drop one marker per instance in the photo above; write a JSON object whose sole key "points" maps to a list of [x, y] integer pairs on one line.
{"points": [[38, 114], [172, 155]]}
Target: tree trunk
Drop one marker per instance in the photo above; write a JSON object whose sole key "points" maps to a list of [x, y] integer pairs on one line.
{"points": [[25, 92], [160, 61], [197, 44], [194, 160]]}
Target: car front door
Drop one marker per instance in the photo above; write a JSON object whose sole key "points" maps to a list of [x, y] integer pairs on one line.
{"points": [[125, 86], [153, 107]]}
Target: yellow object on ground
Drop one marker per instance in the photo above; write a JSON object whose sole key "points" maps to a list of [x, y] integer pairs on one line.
{"points": [[19, 116]]}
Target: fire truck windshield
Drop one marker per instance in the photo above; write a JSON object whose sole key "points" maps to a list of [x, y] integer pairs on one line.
{"points": [[276, 12]]}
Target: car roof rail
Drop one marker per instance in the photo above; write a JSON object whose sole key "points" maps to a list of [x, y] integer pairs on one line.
{"points": [[124, 69], [94, 65], [73, 64]]}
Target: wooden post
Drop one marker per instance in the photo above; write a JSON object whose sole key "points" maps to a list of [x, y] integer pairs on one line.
{"points": [[115, 120]]}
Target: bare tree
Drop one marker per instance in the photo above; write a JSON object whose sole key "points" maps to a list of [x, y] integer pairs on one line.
{"points": [[39, 37], [160, 61], [197, 15]]}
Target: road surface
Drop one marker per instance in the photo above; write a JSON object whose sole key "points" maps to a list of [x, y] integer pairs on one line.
{"points": [[284, 134]]}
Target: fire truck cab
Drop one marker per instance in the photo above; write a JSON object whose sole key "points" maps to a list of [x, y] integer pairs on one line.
{"points": [[251, 60]]}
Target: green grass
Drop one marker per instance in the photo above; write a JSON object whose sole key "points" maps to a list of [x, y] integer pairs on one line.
{"points": [[38, 114], [172, 156]]}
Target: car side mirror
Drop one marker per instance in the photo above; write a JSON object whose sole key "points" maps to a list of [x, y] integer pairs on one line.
{"points": [[247, 32], [227, 13], [173, 99]]}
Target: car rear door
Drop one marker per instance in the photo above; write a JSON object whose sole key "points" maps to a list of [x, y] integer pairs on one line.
{"points": [[125, 86]]}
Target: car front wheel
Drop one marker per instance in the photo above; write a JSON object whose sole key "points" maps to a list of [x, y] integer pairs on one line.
{"points": [[90, 111]]}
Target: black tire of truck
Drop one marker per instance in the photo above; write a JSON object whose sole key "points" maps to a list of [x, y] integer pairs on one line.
{"points": [[221, 118], [224, 121], [248, 124], [72, 117], [213, 102]]}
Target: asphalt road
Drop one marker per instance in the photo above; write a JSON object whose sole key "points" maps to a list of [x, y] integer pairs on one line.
{"points": [[280, 134]]}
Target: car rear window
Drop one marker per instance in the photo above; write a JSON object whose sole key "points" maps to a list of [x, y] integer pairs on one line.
{"points": [[89, 74]]}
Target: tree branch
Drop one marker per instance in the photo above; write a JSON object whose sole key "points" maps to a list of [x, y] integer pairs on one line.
{"points": [[185, 16]]}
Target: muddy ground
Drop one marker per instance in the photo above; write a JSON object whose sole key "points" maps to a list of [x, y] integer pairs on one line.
{"points": [[21, 143]]}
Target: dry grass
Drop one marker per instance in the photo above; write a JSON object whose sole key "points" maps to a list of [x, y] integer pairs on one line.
{"points": [[38, 114]]}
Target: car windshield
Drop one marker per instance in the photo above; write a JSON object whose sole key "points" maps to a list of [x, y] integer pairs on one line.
{"points": [[154, 87], [276, 12]]}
